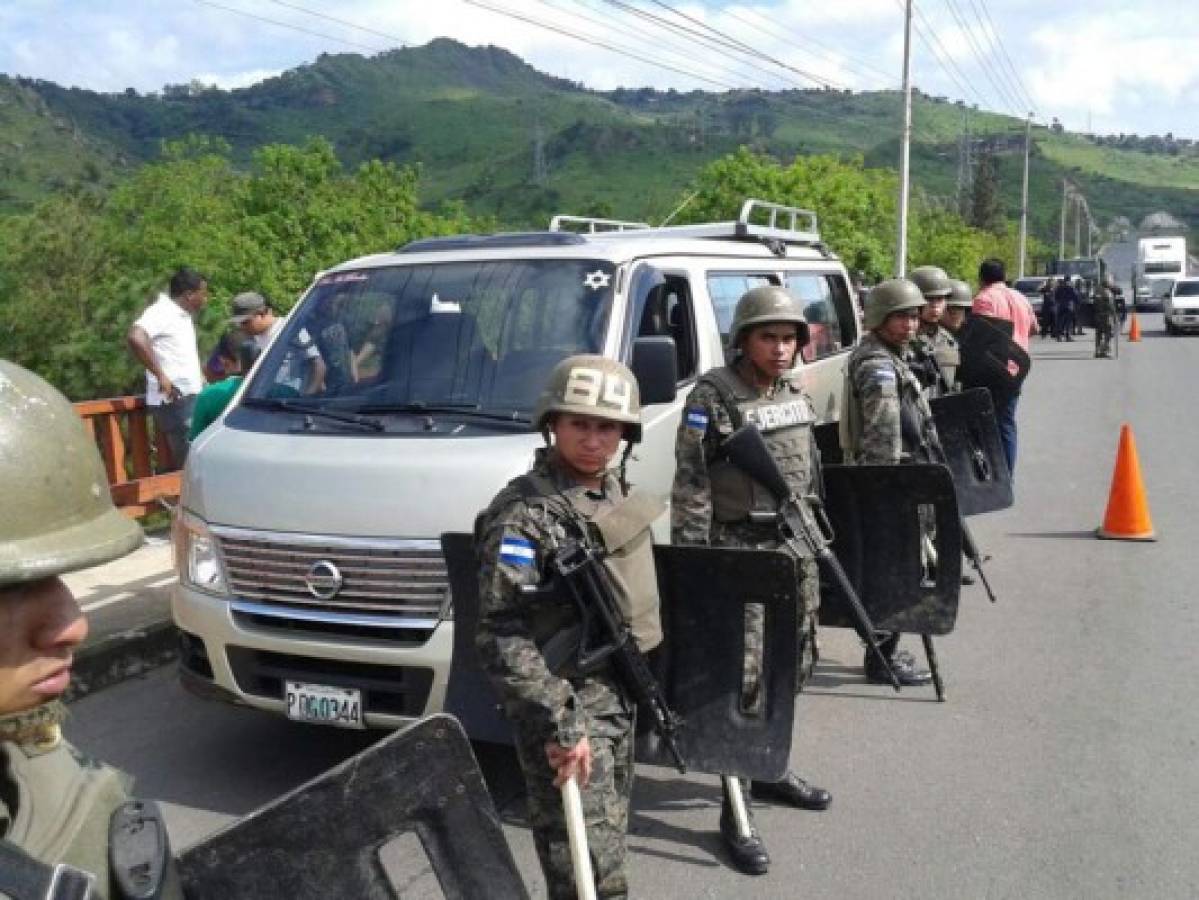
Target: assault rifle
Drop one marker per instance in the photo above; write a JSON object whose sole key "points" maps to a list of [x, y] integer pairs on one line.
{"points": [[798, 524], [579, 570]]}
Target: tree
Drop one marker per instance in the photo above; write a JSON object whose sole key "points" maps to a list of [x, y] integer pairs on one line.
{"points": [[986, 207]]}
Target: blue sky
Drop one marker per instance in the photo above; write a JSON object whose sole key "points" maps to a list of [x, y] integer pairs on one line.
{"points": [[1098, 65]]}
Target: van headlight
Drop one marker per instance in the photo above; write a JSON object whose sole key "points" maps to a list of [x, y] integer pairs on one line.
{"points": [[196, 557]]}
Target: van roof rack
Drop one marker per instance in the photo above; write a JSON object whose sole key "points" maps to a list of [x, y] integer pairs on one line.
{"points": [[759, 220], [480, 241], [591, 225]]}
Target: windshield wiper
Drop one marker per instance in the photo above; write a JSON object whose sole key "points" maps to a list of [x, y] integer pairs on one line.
{"points": [[458, 409], [304, 409]]}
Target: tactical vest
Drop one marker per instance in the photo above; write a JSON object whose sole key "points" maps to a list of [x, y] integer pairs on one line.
{"points": [[917, 429], [948, 356], [623, 525], [786, 422]]}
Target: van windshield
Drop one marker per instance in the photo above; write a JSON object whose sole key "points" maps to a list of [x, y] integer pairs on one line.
{"points": [[471, 336]]}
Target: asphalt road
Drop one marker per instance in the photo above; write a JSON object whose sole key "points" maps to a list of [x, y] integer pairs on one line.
{"points": [[1062, 766]]}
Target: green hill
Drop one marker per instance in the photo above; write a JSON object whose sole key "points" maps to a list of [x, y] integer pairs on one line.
{"points": [[507, 140]]}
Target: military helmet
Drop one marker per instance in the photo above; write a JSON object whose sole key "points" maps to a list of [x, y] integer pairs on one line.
{"points": [[589, 385], [890, 296], [57, 515], [763, 305], [961, 296], [934, 284]]}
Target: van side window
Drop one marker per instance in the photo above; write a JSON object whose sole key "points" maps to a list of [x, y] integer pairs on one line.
{"points": [[665, 309], [726, 288], [825, 302]]}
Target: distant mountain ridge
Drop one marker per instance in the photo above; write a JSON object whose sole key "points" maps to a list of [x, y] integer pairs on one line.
{"points": [[496, 134]]}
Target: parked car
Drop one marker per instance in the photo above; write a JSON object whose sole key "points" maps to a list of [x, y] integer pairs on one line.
{"points": [[1180, 308], [1031, 287]]}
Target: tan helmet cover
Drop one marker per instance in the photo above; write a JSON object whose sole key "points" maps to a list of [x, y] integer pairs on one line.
{"points": [[961, 296], [934, 284], [57, 514], [890, 296], [590, 385], [763, 305]]}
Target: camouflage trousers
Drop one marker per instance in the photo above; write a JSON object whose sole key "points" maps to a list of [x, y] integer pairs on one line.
{"points": [[754, 537], [605, 805]]}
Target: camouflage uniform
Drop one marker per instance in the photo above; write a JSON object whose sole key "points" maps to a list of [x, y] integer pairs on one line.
{"points": [[936, 343], [707, 421], [889, 417], [513, 536], [1105, 316]]}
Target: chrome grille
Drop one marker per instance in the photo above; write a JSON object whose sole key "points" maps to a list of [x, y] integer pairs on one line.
{"points": [[405, 578]]}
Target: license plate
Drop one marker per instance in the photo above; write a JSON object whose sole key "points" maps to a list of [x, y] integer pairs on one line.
{"points": [[323, 704]]}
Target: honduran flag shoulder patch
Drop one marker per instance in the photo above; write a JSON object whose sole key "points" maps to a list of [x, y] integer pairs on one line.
{"points": [[697, 420], [517, 551]]}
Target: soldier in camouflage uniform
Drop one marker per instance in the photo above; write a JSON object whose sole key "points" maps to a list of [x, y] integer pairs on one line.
{"points": [[957, 308], [935, 351], [1105, 318], [56, 517], [569, 723], [712, 500], [885, 418]]}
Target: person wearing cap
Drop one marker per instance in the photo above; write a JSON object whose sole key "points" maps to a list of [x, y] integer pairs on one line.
{"points": [[57, 517], [713, 502], [570, 724], [304, 370], [881, 392], [957, 307], [163, 340], [934, 349]]}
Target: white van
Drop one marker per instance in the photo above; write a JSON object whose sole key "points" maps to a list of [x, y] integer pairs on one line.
{"points": [[311, 581]]}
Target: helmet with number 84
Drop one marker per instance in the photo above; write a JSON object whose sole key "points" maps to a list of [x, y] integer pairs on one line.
{"points": [[590, 385]]}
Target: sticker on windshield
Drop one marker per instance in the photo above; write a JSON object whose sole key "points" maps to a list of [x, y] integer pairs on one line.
{"points": [[597, 280], [437, 305], [343, 277]]}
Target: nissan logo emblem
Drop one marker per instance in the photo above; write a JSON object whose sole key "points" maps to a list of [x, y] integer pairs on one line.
{"points": [[323, 580]]}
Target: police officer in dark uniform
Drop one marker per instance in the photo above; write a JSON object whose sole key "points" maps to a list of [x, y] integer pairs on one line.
{"points": [[712, 501]]}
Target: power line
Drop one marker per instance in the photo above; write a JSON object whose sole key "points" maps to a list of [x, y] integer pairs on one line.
{"points": [[1007, 58], [656, 43], [1000, 91], [742, 47], [328, 18], [276, 22], [881, 76], [586, 40], [928, 36], [989, 36]]}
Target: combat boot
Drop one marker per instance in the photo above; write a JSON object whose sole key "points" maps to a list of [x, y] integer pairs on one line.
{"points": [[792, 789], [748, 854]]}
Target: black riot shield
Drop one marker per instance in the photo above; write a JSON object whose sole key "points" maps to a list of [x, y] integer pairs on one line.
{"points": [[701, 661], [969, 435], [469, 695], [699, 665], [879, 528], [323, 839], [828, 440]]}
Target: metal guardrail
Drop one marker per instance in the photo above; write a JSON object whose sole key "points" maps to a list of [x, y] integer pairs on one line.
{"points": [[140, 470]]}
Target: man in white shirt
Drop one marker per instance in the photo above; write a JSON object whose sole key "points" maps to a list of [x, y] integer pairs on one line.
{"points": [[164, 341], [303, 369]]}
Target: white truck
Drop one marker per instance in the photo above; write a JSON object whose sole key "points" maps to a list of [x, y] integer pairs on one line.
{"points": [[311, 578], [1160, 260]]}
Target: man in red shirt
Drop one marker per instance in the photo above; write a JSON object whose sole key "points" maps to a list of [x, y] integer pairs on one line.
{"points": [[998, 301]]}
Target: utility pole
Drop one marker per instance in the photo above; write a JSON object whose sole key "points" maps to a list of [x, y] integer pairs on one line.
{"points": [[1061, 240], [905, 145], [1024, 195], [1078, 224]]}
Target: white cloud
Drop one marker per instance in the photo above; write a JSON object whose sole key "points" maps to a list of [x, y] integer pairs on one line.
{"points": [[232, 81]]}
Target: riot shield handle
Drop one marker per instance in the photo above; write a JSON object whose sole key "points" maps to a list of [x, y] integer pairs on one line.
{"points": [[576, 831]]}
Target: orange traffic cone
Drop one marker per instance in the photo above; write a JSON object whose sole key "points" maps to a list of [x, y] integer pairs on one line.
{"points": [[1127, 516], [1134, 330]]}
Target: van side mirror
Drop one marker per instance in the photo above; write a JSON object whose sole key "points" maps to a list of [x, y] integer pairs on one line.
{"points": [[656, 365]]}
